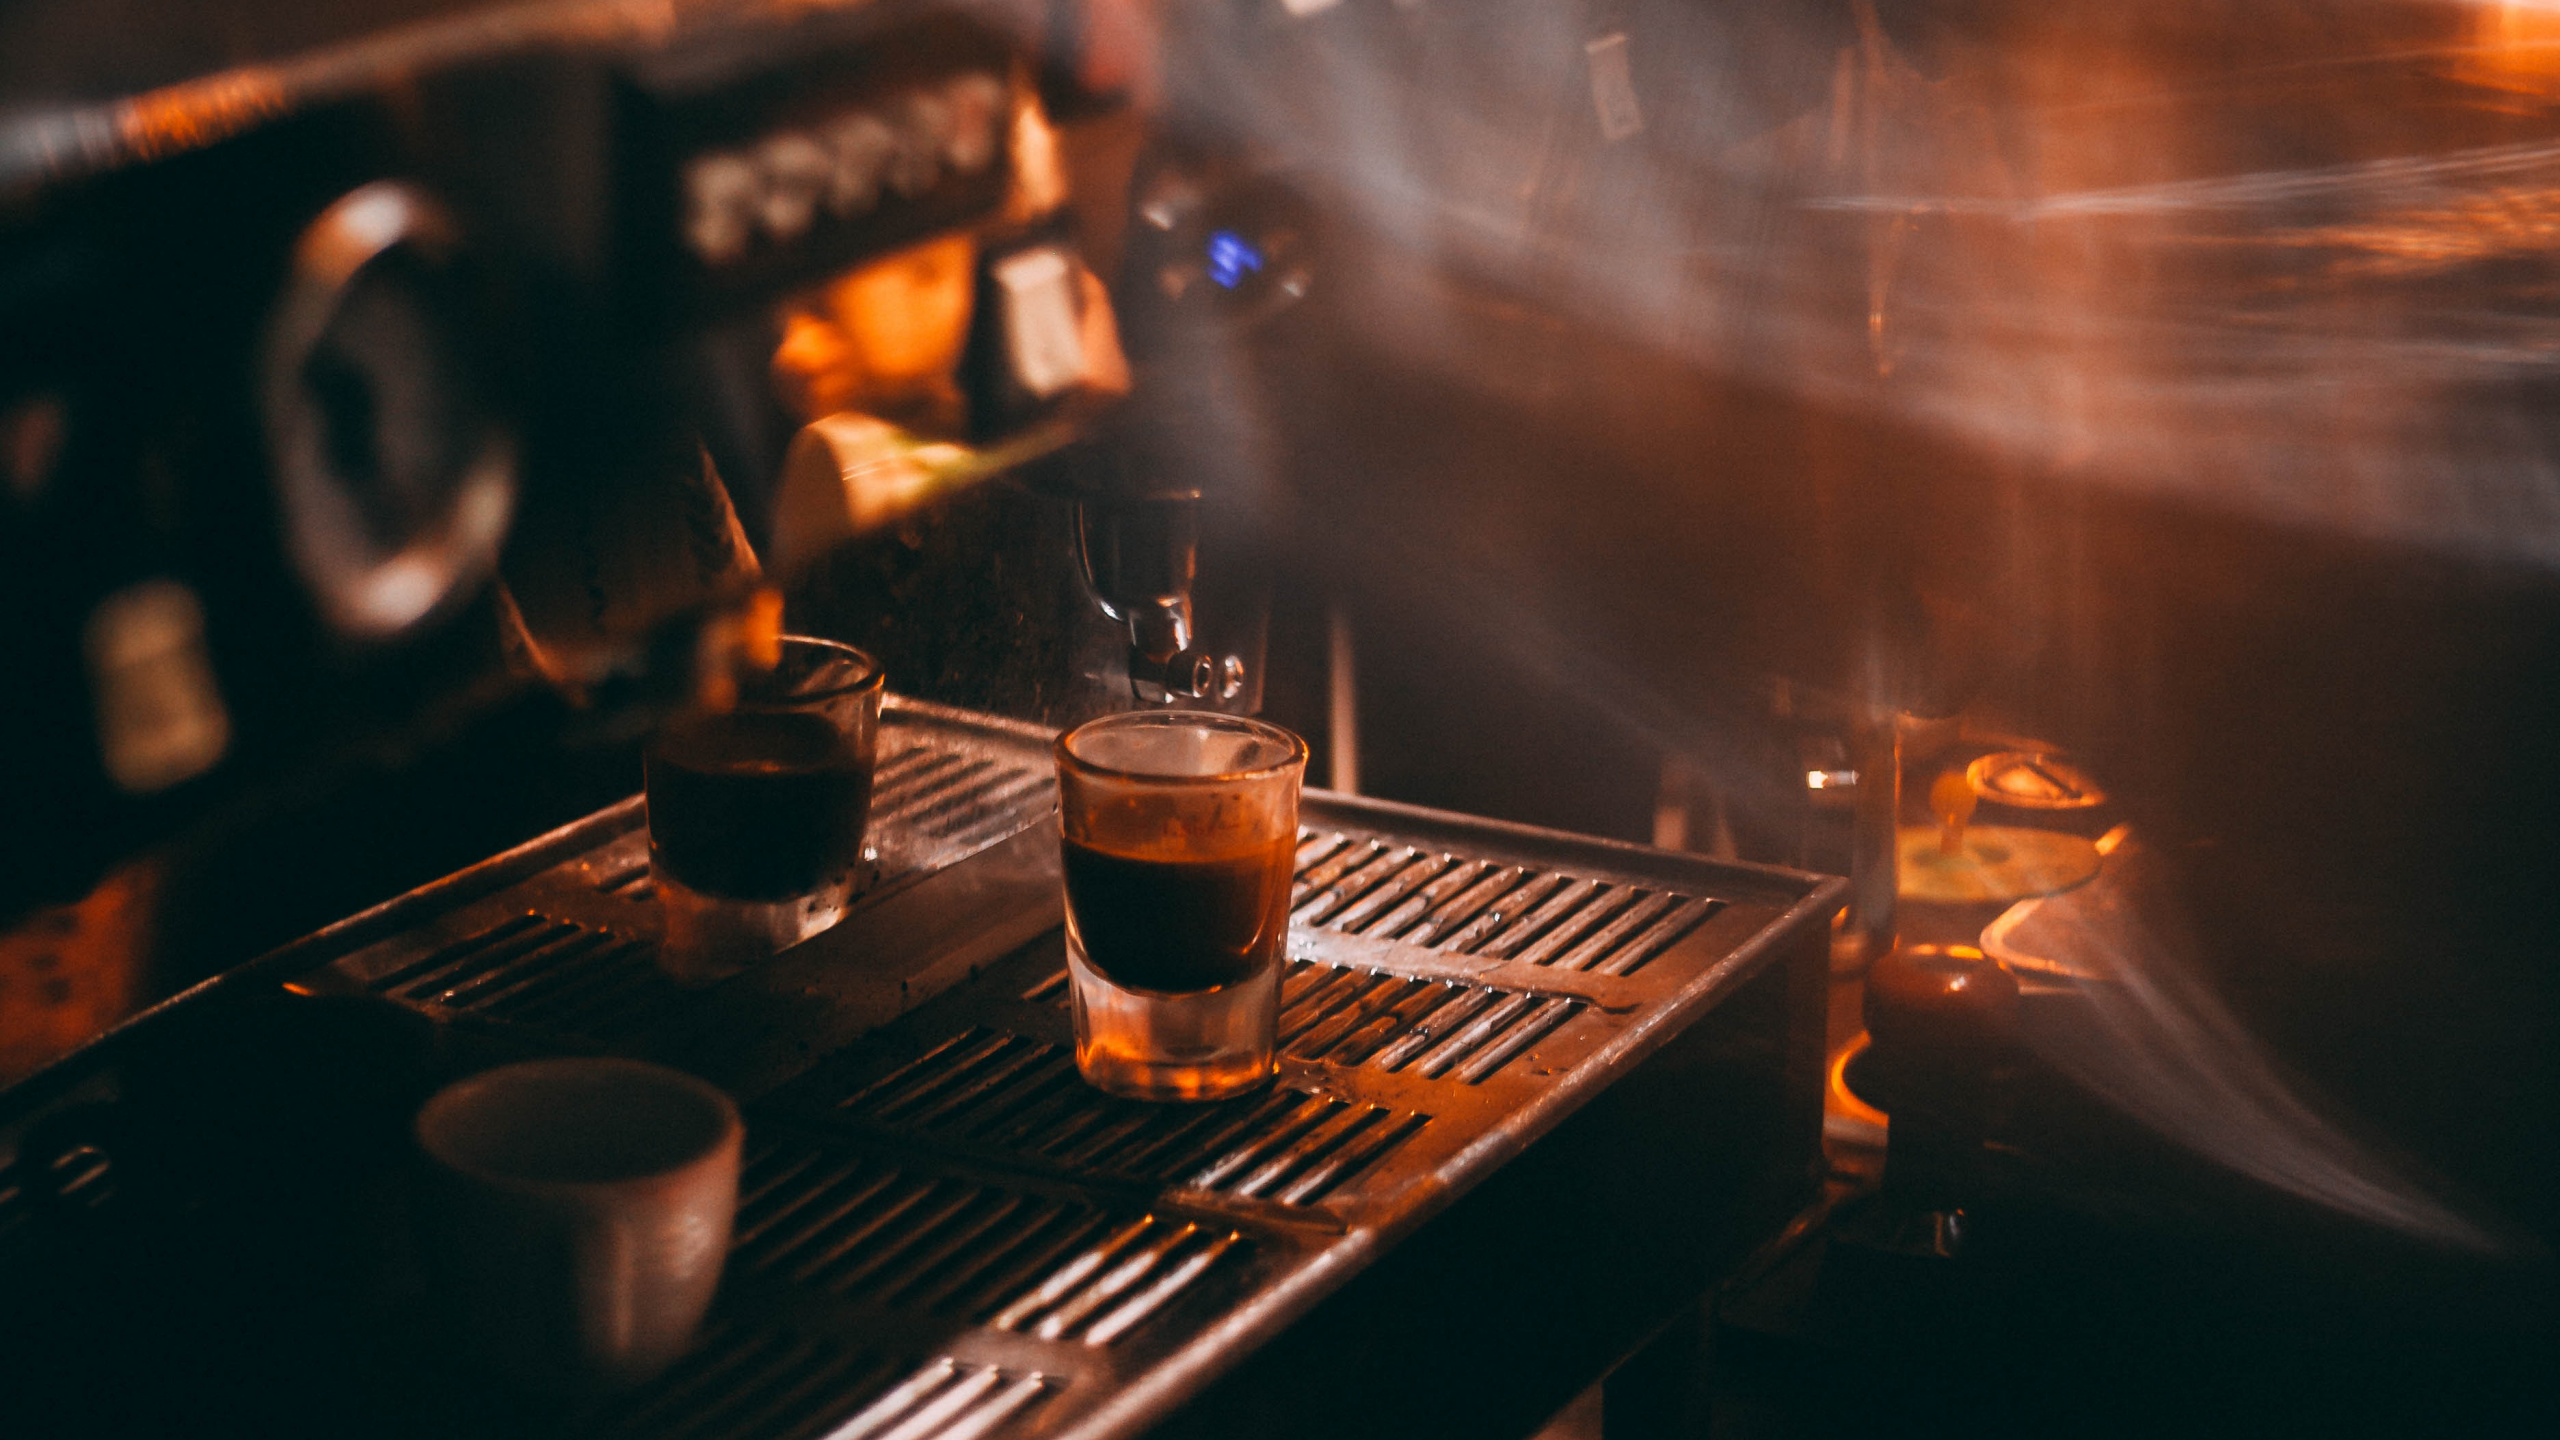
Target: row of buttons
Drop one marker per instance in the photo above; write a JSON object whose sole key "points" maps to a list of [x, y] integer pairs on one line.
{"points": [[775, 187]]}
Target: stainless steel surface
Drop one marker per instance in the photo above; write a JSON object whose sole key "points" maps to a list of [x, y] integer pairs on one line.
{"points": [[942, 1232], [2032, 780]]}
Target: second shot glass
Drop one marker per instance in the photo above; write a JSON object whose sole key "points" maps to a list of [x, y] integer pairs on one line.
{"points": [[758, 813], [1179, 837]]}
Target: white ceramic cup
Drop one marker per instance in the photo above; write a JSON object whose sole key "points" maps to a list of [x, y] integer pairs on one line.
{"points": [[577, 1212]]}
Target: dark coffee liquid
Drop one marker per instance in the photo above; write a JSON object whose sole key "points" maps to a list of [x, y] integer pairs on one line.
{"points": [[756, 806], [1179, 924]]}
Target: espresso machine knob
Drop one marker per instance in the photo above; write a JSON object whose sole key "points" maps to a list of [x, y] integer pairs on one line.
{"points": [[393, 472]]}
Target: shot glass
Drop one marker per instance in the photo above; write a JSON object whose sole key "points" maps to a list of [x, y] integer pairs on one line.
{"points": [[1178, 836], [758, 813]]}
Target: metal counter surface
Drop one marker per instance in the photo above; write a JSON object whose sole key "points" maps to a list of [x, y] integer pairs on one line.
{"points": [[944, 1233]]}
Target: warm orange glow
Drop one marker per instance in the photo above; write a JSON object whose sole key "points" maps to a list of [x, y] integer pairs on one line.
{"points": [[2518, 46], [68, 972], [185, 117], [760, 633], [1840, 1103], [1039, 169], [883, 339], [2508, 222], [1951, 799]]}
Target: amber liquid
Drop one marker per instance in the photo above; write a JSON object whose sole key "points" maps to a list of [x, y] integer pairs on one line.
{"points": [[1178, 924], [757, 806]]}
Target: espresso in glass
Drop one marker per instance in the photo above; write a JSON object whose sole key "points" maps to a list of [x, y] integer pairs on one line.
{"points": [[1177, 923], [757, 805], [1178, 838], [758, 811]]}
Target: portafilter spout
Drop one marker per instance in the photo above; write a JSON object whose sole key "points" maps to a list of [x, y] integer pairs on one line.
{"points": [[1139, 556]]}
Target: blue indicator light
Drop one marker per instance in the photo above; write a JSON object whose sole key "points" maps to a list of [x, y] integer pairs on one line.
{"points": [[1231, 258]]}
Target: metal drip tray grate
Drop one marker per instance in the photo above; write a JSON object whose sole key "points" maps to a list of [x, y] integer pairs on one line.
{"points": [[1362, 885], [533, 970], [791, 1384], [1020, 1099], [955, 801], [1120, 1280], [871, 1231], [944, 1234], [576, 955], [1436, 1027], [946, 1400], [1344, 1015], [932, 803]]}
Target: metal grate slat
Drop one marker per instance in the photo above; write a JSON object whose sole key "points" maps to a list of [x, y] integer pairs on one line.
{"points": [[878, 1234], [1338, 897], [1455, 880], [1475, 917], [1362, 885], [1053, 1118], [1353, 853], [1609, 938], [946, 1171], [1416, 875], [1664, 933]]}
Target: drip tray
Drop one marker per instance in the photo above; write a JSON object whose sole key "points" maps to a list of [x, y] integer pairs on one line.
{"points": [[1529, 1082]]}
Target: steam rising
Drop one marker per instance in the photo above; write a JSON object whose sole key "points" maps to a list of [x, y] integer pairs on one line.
{"points": [[2294, 259], [2074, 249], [2162, 1047]]}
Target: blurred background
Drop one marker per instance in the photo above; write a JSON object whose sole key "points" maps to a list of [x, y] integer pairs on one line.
{"points": [[1661, 420]]}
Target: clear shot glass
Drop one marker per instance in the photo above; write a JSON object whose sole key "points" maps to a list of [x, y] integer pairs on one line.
{"points": [[1179, 833], [758, 813]]}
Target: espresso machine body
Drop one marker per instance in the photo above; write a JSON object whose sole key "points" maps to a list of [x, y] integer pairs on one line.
{"points": [[307, 351], [457, 351]]}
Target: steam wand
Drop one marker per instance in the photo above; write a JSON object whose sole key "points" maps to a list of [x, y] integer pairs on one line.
{"points": [[1139, 556]]}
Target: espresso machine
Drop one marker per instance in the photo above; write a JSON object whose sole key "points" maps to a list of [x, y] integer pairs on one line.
{"points": [[407, 421], [1694, 424], [337, 368]]}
